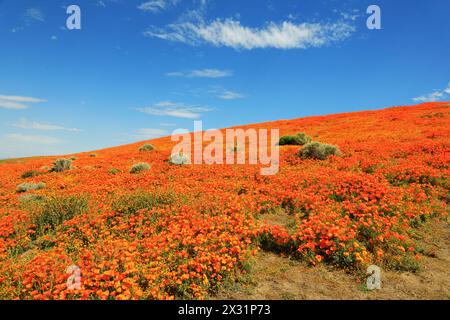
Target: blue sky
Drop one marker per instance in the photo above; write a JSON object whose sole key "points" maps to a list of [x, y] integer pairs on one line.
{"points": [[140, 69]]}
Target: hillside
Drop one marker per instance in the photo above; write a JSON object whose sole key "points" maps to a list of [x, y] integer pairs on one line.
{"points": [[208, 231]]}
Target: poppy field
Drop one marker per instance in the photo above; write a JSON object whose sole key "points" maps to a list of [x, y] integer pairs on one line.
{"points": [[140, 227]]}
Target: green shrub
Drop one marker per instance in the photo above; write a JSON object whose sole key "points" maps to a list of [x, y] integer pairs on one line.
{"points": [[146, 147], [139, 167], [28, 186], [131, 203], [26, 198], [178, 159], [53, 211], [317, 150], [93, 155], [61, 165], [113, 171], [297, 140], [30, 174]]}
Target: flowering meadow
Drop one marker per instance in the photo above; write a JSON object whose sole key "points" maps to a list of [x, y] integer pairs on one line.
{"points": [[168, 231]]}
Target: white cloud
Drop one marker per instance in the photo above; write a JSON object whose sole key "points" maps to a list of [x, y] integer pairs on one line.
{"points": [[231, 95], [26, 124], [155, 6], [447, 90], [174, 109], [35, 14], [32, 138], [202, 73], [17, 102], [434, 96], [230, 33], [150, 133]]}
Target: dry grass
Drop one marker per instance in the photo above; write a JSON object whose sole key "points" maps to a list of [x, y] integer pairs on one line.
{"points": [[281, 278]]}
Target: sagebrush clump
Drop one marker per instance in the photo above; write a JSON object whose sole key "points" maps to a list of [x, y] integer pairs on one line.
{"points": [[139, 167], [179, 159], [61, 165], [297, 140], [146, 147], [30, 186], [318, 150], [26, 198], [30, 174], [114, 171]]}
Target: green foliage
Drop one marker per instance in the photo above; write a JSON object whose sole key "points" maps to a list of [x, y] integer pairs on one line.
{"points": [[297, 140], [27, 198], [93, 155], [178, 159], [404, 263], [53, 211], [30, 174], [113, 171], [146, 147], [131, 203], [29, 186], [61, 165], [139, 167], [318, 150]]}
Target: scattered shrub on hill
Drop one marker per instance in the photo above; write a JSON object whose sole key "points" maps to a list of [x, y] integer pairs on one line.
{"points": [[139, 167], [178, 159], [297, 140], [146, 147], [53, 211], [73, 158], [131, 203], [30, 174], [28, 186], [61, 165], [30, 198], [113, 171], [317, 150], [93, 155]]}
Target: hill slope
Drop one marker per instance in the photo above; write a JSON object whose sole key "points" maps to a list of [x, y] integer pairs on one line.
{"points": [[182, 231]]}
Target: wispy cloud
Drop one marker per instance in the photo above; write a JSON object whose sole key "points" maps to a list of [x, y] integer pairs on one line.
{"points": [[34, 14], [231, 95], [155, 6], [435, 95], [149, 133], [231, 33], [202, 73], [33, 125], [33, 138], [175, 109], [17, 102]]}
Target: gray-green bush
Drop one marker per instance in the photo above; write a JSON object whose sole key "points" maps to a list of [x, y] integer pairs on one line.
{"points": [[27, 198], [30, 174], [146, 147], [139, 167], [297, 140], [178, 159], [318, 150], [61, 165], [29, 186], [113, 171]]}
